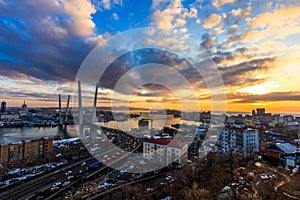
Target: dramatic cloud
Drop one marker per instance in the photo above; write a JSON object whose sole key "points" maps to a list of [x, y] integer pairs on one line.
{"points": [[212, 21], [245, 73], [219, 3], [207, 41], [254, 46], [106, 4], [270, 97], [278, 23], [52, 44], [174, 16]]}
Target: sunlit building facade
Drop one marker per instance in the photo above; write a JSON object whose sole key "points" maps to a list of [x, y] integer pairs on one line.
{"points": [[166, 151]]}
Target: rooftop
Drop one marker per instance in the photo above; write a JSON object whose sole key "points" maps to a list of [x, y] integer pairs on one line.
{"points": [[167, 142], [286, 147]]}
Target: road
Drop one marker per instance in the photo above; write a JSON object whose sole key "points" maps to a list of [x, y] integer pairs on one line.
{"points": [[121, 159], [42, 184], [117, 187]]}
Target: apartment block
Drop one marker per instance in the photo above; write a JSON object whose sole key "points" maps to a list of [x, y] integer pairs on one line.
{"points": [[166, 151], [28, 149], [244, 141]]}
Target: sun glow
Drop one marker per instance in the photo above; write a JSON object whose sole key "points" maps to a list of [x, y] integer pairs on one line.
{"points": [[263, 88]]}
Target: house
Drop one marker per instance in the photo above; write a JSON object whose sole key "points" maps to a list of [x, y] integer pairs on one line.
{"points": [[283, 154]]}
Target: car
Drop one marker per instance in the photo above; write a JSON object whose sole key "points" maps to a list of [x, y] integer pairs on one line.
{"points": [[83, 164], [70, 177], [163, 184], [57, 184], [54, 189], [106, 184], [66, 183], [168, 178], [149, 190], [225, 189], [68, 172], [131, 167], [264, 176]]}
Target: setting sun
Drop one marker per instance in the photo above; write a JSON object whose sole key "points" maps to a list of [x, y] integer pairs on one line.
{"points": [[259, 89]]}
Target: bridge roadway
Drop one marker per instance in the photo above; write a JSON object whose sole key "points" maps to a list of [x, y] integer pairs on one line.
{"points": [[28, 189], [121, 159], [88, 177]]}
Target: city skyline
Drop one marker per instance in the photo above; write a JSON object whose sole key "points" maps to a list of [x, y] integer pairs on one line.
{"points": [[255, 46]]}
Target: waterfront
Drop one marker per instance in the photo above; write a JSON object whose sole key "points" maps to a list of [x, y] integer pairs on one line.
{"points": [[12, 135]]}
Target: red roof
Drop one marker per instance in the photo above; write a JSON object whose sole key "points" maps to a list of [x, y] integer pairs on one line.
{"points": [[158, 141], [175, 144], [167, 142]]}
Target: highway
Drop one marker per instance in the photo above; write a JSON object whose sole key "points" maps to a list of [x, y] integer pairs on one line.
{"points": [[41, 186], [121, 159], [29, 188], [98, 195]]}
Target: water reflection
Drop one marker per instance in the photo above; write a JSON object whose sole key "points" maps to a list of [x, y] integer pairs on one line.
{"points": [[9, 135]]}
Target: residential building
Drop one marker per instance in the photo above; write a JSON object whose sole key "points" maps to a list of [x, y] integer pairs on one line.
{"points": [[3, 107], [25, 150], [143, 125], [281, 153], [260, 111], [243, 141], [166, 152], [9, 116], [24, 107]]}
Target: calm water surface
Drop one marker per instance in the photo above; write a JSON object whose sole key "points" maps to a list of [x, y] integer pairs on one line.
{"points": [[10, 135]]}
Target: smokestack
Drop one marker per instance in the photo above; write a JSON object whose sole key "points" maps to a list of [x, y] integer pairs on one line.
{"points": [[80, 114], [93, 130]]}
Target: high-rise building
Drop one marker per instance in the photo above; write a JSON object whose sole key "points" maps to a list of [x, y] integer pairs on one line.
{"points": [[3, 107], [260, 111], [244, 141], [24, 107], [143, 125]]}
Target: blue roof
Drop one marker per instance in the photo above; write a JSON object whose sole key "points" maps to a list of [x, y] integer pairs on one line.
{"points": [[286, 147]]}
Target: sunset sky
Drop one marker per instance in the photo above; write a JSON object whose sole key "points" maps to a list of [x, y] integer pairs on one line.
{"points": [[255, 46]]}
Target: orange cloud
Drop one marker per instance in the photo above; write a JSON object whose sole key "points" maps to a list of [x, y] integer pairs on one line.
{"points": [[220, 3], [277, 24], [212, 21], [82, 23]]}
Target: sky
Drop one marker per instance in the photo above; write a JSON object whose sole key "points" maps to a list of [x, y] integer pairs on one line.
{"points": [[254, 46]]}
